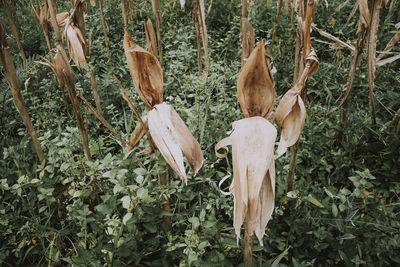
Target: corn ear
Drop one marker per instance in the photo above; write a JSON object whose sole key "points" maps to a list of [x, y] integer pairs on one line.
{"points": [[255, 86], [145, 71], [76, 44], [252, 143], [172, 137]]}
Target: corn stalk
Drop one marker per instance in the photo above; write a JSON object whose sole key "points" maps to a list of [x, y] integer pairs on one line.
{"points": [[157, 17], [198, 10], [15, 33], [124, 15], [9, 69]]}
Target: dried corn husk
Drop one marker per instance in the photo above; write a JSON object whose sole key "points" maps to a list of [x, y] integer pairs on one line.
{"points": [[145, 71], [182, 4], [247, 39], [291, 112], [365, 16], [62, 18], [150, 37], [76, 44], [93, 2], [256, 85], [62, 69], [252, 143], [172, 137]]}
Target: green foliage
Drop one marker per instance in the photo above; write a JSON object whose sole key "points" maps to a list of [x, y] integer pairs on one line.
{"points": [[108, 212]]}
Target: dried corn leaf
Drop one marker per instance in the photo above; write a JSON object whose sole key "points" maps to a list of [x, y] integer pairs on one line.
{"points": [[62, 18], [247, 39], [62, 69], [390, 45], [252, 142], [76, 44], [145, 71], [136, 135], [150, 37], [172, 137], [256, 85]]}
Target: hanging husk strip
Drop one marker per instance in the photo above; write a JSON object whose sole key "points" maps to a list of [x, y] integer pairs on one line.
{"points": [[172, 137], [247, 39], [150, 37], [198, 8], [291, 112], [15, 33], [255, 85], [145, 71], [390, 45], [64, 76], [157, 18], [252, 143], [11, 75], [371, 56], [76, 44]]}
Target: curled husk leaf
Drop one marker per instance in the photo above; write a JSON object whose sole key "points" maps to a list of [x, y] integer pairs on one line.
{"points": [[291, 111], [62, 18], [62, 68], [256, 85], [172, 137], [76, 44], [252, 143], [145, 71]]}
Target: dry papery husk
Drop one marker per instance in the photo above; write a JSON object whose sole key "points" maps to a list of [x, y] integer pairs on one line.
{"points": [[62, 69], [256, 85], [76, 44], [172, 137], [291, 111], [145, 71], [252, 143], [62, 18]]}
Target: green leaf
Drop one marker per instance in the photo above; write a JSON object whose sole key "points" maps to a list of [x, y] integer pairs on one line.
{"points": [[126, 202], [127, 217], [280, 257], [314, 201]]}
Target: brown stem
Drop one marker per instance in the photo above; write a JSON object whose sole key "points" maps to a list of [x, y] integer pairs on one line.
{"points": [[102, 119], [372, 39], [53, 20], [15, 32], [198, 7], [95, 92], [248, 245], [103, 22], [124, 16], [278, 13], [292, 167], [199, 64], [9, 69], [162, 181], [157, 17]]}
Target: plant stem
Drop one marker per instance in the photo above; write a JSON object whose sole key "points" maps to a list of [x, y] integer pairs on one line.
{"points": [[162, 181], [15, 32], [124, 16], [248, 245], [103, 22], [9, 69], [157, 17]]}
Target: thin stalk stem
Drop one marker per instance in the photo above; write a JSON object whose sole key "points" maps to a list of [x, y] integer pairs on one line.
{"points": [[104, 24], [248, 245]]}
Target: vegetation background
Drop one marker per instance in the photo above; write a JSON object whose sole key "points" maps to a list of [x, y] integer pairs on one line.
{"points": [[71, 211]]}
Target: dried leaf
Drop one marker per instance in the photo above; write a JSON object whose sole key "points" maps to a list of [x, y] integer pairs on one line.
{"points": [[62, 68], [256, 85], [62, 18], [150, 37], [390, 45], [172, 137], [76, 44], [253, 142], [145, 71], [93, 2], [247, 39], [182, 4]]}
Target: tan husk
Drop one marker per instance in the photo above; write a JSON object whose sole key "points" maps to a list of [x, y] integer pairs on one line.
{"points": [[145, 71], [365, 16], [150, 37], [291, 112], [182, 4], [247, 39], [252, 142], [76, 44], [256, 85], [62, 18], [172, 137], [93, 2]]}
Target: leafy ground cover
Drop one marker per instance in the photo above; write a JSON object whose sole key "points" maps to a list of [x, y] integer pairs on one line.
{"points": [[344, 209]]}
